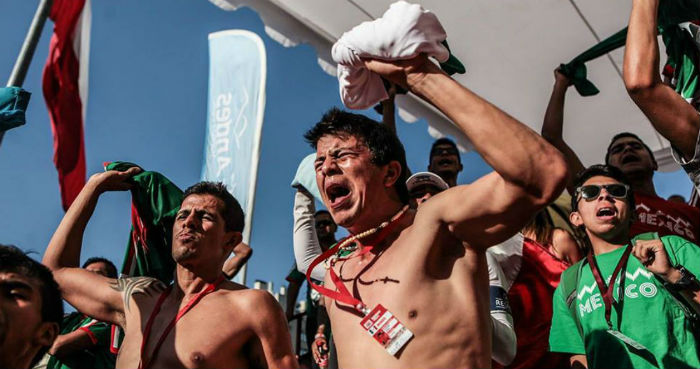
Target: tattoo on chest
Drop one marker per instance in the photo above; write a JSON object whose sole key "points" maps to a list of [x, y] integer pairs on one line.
{"points": [[144, 285]]}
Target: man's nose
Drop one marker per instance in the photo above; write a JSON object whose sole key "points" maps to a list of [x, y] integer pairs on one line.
{"points": [[329, 166]]}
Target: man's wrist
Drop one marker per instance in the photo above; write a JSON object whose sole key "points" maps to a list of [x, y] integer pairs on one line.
{"points": [[672, 276]]}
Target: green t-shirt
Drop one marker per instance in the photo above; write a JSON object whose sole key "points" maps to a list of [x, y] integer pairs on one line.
{"points": [[649, 316], [97, 357]]}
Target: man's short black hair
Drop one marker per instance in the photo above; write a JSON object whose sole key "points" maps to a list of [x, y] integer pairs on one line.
{"points": [[14, 260], [627, 134], [232, 212], [444, 141], [600, 170], [382, 143], [319, 212], [111, 268]]}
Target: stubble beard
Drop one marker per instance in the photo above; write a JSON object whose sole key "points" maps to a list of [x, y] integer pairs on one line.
{"points": [[182, 253]]}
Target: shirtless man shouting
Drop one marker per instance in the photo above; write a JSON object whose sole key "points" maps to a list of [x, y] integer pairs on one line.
{"points": [[428, 267], [202, 320]]}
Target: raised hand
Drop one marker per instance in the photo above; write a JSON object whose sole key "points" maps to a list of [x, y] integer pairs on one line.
{"points": [[113, 180]]}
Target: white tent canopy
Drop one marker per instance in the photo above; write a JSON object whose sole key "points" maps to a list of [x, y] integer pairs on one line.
{"points": [[509, 48]]}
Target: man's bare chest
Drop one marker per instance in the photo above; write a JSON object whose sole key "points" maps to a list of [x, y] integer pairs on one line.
{"points": [[205, 336]]}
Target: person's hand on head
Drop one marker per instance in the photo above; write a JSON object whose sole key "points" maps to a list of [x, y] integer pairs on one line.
{"points": [[113, 180]]}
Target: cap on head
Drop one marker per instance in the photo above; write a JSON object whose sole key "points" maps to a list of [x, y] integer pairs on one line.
{"points": [[426, 178]]}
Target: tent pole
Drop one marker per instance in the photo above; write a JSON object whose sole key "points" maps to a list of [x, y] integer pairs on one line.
{"points": [[29, 46]]}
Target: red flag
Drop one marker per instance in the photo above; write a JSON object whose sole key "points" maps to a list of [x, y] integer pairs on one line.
{"points": [[62, 84]]}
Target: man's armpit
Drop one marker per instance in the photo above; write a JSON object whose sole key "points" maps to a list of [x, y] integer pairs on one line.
{"points": [[135, 285]]}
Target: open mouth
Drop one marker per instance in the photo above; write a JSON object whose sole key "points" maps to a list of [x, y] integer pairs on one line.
{"points": [[630, 159], [606, 212], [337, 194], [445, 161]]}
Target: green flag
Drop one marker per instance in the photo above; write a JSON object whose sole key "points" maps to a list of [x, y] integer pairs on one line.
{"points": [[678, 37], [155, 201]]}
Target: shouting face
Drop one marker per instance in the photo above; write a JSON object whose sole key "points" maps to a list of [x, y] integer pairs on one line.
{"points": [[348, 180], [631, 157], [444, 158], [603, 209]]}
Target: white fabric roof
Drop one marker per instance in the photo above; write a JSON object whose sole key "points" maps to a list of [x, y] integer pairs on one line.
{"points": [[509, 48]]}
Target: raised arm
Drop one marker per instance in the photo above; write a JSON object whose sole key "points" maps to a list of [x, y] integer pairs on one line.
{"points": [[552, 128], [529, 172], [306, 245], [241, 253], [667, 111], [90, 293], [389, 110]]}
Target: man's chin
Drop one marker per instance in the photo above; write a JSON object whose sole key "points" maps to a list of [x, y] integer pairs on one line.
{"points": [[182, 254]]}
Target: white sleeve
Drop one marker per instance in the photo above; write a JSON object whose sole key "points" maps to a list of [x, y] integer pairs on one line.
{"points": [[306, 246], [503, 339]]}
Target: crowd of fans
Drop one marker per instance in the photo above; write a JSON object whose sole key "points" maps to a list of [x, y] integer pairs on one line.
{"points": [[495, 273]]}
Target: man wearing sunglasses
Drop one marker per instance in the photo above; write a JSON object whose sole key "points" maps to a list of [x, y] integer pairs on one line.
{"points": [[635, 159], [645, 317]]}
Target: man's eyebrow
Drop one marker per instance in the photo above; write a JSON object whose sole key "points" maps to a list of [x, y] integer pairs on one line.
{"points": [[16, 284]]}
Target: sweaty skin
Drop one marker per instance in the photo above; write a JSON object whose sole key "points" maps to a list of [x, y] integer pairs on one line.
{"points": [[431, 270], [255, 332]]}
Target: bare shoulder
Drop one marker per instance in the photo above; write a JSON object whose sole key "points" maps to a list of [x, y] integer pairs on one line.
{"points": [[132, 286]]}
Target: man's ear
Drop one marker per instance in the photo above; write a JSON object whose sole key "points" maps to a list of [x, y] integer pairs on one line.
{"points": [[47, 333], [461, 167], [576, 219], [393, 172], [234, 238]]}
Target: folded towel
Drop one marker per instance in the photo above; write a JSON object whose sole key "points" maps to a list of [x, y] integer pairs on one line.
{"points": [[403, 32], [306, 176]]}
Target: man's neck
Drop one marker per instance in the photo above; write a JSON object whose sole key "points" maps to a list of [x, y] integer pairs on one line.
{"points": [[449, 177], [377, 215], [327, 242], [189, 282], [642, 183], [602, 245]]}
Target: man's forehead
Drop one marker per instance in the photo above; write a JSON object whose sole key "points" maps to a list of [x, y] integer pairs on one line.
{"points": [[332, 142], [201, 201], [624, 140], [600, 180]]}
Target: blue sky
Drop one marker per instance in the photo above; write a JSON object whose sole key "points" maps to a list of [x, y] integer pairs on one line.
{"points": [[148, 105]]}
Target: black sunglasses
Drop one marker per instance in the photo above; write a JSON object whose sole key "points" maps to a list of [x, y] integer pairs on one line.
{"points": [[589, 192], [444, 151]]}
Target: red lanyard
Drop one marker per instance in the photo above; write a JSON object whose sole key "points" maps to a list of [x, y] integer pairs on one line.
{"points": [[343, 295], [606, 291], [144, 362]]}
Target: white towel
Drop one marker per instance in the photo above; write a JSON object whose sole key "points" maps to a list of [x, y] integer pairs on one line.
{"points": [[403, 32]]}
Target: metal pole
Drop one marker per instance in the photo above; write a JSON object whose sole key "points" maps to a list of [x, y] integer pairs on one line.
{"points": [[29, 46], [30, 42]]}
